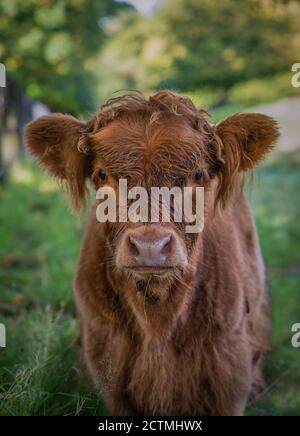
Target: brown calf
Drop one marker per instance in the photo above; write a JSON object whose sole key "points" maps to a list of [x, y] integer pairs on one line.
{"points": [[171, 323]]}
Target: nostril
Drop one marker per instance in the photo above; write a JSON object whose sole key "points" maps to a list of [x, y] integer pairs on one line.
{"points": [[166, 245], [133, 246]]}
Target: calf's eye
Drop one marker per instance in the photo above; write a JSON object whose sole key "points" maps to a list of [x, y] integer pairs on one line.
{"points": [[102, 174], [198, 175]]}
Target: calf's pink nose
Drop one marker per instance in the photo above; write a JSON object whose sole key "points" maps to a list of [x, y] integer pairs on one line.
{"points": [[149, 251]]}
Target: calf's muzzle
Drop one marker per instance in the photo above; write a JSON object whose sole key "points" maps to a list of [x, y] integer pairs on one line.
{"points": [[151, 249]]}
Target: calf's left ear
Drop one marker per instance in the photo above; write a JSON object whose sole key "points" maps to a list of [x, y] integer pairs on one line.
{"points": [[55, 141], [246, 138]]}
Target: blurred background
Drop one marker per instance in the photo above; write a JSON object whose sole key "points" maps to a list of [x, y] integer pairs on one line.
{"points": [[70, 56]]}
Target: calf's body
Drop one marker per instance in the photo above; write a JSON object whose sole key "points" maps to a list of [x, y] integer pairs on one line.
{"points": [[171, 322], [205, 362]]}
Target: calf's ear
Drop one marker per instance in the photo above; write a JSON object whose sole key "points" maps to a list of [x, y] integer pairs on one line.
{"points": [[55, 141], [247, 138], [242, 141]]}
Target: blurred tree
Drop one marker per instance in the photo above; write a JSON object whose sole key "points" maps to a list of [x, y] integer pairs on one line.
{"points": [[126, 60], [46, 46], [207, 44], [225, 42]]}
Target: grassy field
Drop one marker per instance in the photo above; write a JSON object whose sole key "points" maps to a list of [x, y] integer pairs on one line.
{"points": [[39, 244]]}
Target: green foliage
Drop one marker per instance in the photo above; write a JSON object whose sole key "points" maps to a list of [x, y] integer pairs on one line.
{"points": [[68, 54], [277, 214], [40, 372], [47, 44], [244, 95], [40, 375], [206, 97], [225, 42], [208, 46], [257, 91], [132, 57]]}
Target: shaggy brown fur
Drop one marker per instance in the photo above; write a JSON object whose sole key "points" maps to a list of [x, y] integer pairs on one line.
{"points": [[191, 342]]}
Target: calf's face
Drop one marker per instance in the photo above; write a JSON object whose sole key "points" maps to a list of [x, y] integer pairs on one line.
{"points": [[167, 154], [161, 142]]}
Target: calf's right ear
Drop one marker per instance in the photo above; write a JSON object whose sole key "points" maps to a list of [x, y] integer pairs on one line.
{"points": [[55, 141]]}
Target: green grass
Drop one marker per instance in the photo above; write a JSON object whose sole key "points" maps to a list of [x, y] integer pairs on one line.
{"points": [[275, 200], [39, 244]]}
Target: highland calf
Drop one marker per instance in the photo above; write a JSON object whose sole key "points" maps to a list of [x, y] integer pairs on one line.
{"points": [[171, 323]]}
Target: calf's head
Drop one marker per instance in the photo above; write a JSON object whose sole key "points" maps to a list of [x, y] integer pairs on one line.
{"points": [[163, 141]]}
